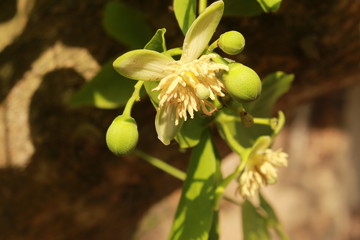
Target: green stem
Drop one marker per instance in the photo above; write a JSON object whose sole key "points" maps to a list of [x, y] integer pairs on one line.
{"points": [[173, 52], [226, 181], [262, 121], [161, 165], [213, 46], [171, 170], [229, 135], [202, 5], [134, 97]]}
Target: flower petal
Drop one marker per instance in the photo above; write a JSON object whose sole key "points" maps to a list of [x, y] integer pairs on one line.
{"points": [[165, 124], [201, 31], [261, 143], [143, 65]]}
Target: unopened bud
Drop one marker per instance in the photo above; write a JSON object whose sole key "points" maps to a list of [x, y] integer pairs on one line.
{"points": [[122, 135], [242, 83], [231, 42], [202, 92]]}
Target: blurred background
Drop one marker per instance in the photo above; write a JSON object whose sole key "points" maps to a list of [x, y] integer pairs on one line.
{"points": [[59, 181]]}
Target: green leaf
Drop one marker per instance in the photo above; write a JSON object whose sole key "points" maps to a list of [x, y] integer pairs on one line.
{"points": [[185, 13], [194, 214], [271, 219], [269, 5], [125, 24], [106, 90], [235, 134], [229, 123], [254, 225], [273, 87], [243, 8], [157, 42], [191, 131], [214, 233]]}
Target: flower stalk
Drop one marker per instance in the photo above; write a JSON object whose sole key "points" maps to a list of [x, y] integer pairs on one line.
{"points": [[134, 97]]}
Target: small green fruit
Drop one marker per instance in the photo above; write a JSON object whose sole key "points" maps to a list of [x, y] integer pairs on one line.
{"points": [[231, 42], [122, 135], [242, 83]]}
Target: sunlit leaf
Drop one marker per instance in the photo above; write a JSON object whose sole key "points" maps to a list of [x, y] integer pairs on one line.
{"points": [[269, 5], [106, 90], [244, 8], [194, 214], [273, 87], [254, 225], [185, 13], [191, 131], [125, 24]]}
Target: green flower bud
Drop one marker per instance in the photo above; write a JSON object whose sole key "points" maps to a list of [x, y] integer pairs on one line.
{"points": [[122, 135], [231, 42], [242, 83], [202, 92]]}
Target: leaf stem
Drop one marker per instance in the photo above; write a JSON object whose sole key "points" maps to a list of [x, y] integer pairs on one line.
{"points": [[161, 165], [177, 173], [262, 121], [134, 97], [213, 46]]}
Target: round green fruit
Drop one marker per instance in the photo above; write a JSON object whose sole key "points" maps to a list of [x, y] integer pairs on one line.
{"points": [[242, 83], [231, 42], [122, 135]]}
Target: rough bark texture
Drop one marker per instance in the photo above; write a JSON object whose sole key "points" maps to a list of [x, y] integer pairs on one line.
{"points": [[59, 181]]}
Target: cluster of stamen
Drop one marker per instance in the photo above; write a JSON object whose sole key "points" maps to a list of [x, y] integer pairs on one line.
{"points": [[261, 170], [187, 86]]}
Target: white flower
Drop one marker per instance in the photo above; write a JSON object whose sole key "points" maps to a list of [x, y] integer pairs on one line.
{"points": [[261, 167], [186, 84]]}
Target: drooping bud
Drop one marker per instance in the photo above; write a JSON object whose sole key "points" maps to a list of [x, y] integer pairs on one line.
{"points": [[122, 135], [242, 83], [231, 42]]}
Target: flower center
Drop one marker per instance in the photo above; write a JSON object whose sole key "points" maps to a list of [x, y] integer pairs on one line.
{"points": [[261, 170], [188, 86]]}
